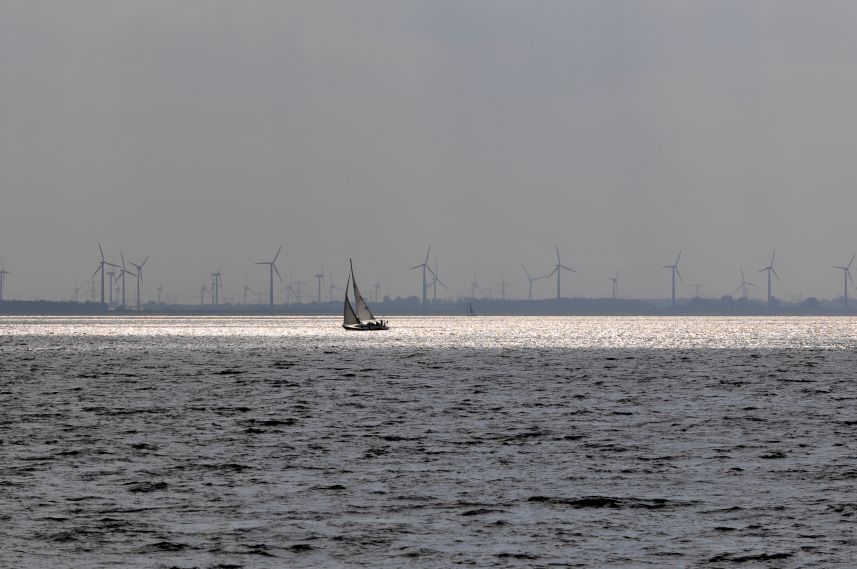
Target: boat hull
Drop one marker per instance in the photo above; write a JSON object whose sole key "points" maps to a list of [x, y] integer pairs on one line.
{"points": [[364, 327]]}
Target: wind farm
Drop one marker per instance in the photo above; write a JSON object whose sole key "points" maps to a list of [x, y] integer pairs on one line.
{"points": [[433, 295]]}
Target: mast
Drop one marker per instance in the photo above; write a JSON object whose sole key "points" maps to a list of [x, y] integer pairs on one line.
{"points": [[349, 318]]}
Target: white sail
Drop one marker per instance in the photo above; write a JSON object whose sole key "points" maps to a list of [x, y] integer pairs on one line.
{"points": [[363, 312], [349, 318]]}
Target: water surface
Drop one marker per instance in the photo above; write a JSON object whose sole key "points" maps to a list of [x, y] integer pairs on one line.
{"points": [[483, 441]]}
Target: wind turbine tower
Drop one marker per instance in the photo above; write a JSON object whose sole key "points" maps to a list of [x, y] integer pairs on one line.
{"points": [[3, 273], [424, 266], [435, 281], [846, 271], [246, 289], [319, 277], [675, 272], [474, 286], [615, 282], [122, 274], [743, 286], [770, 269], [272, 268], [139, 278], [377, 286], [216, 285], [531, 279], [503, 284], [558, 269], [101, 269]]}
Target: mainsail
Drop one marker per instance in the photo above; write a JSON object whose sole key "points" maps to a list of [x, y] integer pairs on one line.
{"points": [[349, 318], [363, 312]]}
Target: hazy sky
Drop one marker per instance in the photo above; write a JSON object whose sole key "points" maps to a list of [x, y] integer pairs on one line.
{"points": [[202, 132]]}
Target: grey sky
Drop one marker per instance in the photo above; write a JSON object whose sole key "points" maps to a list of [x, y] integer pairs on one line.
{"points": [[202, 132]]}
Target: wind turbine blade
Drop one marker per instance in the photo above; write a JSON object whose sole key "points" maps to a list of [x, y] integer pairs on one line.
{"points": [[276, 271], [750, 284], [850, 277], [852, 260], [101, 250], [123, 258], [550, 274], [772, 257], [96, 271], [278, 254], [526, 271], [147, 258], [261, 263], [568, 268], [679, 274], [558, 262], [679, 257], [416, 267], [441, 284], [427, 254], [737, 289], [743, 278], [775, 273], [763, 269]]}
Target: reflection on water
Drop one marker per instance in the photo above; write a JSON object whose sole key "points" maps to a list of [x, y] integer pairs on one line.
{"points": [[473, 332]]}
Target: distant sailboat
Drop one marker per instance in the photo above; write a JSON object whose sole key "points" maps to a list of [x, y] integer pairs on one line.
{"points": [[362, 319]]}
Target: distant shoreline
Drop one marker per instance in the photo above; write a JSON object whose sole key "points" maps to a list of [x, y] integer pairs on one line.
{"points": [[484, 307]]}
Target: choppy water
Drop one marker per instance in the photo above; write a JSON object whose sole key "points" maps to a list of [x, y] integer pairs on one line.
{"points": [[288, 442]]}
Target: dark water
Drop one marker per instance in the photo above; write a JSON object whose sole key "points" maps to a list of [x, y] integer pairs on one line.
{"points": [[289, 443]]}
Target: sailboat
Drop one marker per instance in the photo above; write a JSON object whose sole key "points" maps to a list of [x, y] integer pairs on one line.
{"points": [[362, 319]]}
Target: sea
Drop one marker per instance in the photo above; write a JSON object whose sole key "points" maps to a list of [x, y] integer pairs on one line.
{"points": [[209, 442]]}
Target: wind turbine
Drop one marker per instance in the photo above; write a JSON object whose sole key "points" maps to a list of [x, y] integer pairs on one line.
{"points": [[531, 279], [246, 289], [112, 275], [216, 285], [846, 270], [272, 267], [675, 272], [377, 286], [333, 287], [744, 284], [3, 273], [698, 286], [474, 286], [319, 277], [124, 271], [139, 279], [435, 281], [770, 269], [615, 281], [101, 269], [558, 269], [202, 290], [424, 266], [502, 284], [159, 290]]}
